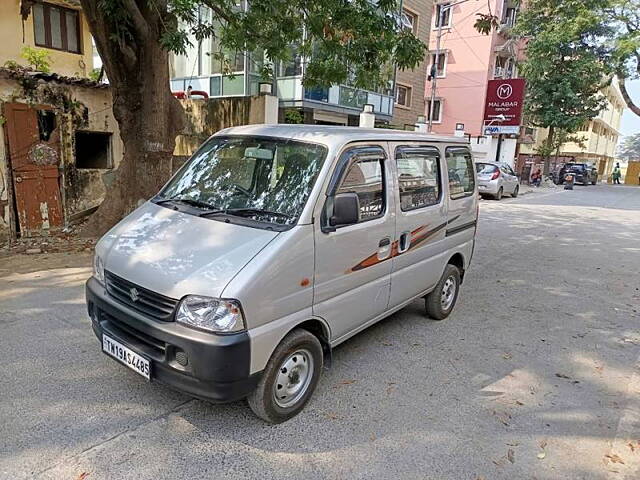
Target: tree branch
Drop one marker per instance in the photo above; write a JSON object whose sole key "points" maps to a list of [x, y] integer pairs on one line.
{"points": [[627, 98], [141, 26]]}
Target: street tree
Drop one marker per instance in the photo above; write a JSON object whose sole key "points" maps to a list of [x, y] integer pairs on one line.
{"points": [[630, 147], [625, 37], [565, 67], [345, 41]]}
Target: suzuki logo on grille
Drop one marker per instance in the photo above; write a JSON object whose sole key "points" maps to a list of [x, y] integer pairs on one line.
{"points": [[134, 294]]}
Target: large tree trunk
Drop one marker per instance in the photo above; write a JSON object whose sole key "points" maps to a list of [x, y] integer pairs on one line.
{"points": [[547, 157], [148, 115]]}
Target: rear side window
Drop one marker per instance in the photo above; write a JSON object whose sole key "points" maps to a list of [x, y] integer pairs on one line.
{"points": [[485, 169], [365, 178], [418, 176], [461, 175]]}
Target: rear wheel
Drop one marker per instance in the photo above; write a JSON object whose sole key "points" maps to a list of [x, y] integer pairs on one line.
{"points": [[515, 191], [499, 194], [289, 379], [440, 302]]}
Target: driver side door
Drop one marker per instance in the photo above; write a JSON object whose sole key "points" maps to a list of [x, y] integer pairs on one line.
{"points": [[353, 262]]}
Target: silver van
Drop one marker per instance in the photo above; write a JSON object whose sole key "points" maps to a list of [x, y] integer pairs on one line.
{"points": [[272, 245]]}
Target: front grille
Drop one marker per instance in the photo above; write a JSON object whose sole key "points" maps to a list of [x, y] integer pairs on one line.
{"points": [[145, 301], [119, 328]]}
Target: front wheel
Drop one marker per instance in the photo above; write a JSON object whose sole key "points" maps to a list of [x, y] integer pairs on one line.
{"points": [[440, 302], [515, 191], [289, 379]]}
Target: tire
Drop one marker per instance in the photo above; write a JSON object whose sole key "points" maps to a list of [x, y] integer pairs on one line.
{"points": [[296, 346], [435, 305], [515, 191], [499, 194]]}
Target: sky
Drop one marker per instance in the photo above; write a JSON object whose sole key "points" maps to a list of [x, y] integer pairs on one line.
{"points": [[630, 121]]}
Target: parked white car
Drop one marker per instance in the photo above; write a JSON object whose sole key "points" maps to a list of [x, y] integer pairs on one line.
{"points": [[497, 179], [272, 245]]}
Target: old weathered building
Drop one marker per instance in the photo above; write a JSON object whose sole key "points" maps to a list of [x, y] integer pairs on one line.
{"points": [[59, 139]]}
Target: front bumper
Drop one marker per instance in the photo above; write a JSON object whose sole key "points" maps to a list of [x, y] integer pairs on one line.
{"points": [[217, 366]]}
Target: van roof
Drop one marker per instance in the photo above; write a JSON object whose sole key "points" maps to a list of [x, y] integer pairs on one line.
{"points": [[331, 135]]}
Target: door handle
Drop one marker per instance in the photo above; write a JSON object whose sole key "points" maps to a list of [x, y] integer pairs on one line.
{"points": [[385, 242], [403, 242]]}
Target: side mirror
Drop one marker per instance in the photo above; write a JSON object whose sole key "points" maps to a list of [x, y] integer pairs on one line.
{"points": [[346, 209]]}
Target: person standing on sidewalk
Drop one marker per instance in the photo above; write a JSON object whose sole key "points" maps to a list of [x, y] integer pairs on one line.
{"points": [[616, 174]]}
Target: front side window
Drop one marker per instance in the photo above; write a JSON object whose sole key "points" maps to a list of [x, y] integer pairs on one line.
{"points": [[56, 27], [263, 179], [460, 168], [418, 176], [365, 178]]}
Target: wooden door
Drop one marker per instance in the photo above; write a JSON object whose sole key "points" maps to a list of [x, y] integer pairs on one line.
{"points": [[34, 152]]}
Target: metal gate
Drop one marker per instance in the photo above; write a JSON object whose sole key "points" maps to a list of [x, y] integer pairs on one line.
{"points": [[34, 153]]}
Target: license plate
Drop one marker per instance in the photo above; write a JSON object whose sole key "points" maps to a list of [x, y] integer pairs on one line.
{"points": [[126, 356]]}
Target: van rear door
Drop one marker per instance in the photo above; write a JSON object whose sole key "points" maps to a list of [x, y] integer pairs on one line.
{"points": [[462, 213], [421, 220]]}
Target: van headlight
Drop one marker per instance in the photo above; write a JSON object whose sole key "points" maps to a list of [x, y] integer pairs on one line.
{"points": [[98, 268], [216, 315]]}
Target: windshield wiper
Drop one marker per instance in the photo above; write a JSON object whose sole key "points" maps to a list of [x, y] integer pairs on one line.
{"points": [[188, 201], [260, 211], [247, 210]]}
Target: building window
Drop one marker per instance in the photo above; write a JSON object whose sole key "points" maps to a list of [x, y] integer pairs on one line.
{"points": [[505, 67], [403, 96], [443, 11], [442, 65], [437, 110], [56, 27], [93, 150], [410, 20]]}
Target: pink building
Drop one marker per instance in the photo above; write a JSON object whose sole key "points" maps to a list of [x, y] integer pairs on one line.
{"points": [[468, 60]]}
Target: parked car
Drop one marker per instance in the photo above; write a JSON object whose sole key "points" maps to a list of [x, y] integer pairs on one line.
{"points": [[496, 179], [271, 246], [583, 173]]}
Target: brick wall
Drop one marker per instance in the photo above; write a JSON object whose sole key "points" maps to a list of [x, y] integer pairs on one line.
{"points": [[417, 78]]}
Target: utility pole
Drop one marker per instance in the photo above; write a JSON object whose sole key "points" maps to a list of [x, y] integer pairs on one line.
{"points": [[436, 60]]}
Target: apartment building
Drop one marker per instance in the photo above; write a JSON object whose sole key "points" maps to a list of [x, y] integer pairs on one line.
{"points": [[410, 100], [598, 138], [466, 63], [203, 70]]}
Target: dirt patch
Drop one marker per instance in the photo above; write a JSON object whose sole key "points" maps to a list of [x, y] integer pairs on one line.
{"points": [[23, 263]]}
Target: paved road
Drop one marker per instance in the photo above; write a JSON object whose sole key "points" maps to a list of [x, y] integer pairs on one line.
{"points": [[540, 359]]}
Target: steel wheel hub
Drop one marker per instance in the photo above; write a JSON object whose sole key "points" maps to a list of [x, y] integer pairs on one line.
{"points": [[293, 379], [448, 293]]}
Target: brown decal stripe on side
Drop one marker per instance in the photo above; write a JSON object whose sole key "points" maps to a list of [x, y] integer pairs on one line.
{"points": [[415, 241]]}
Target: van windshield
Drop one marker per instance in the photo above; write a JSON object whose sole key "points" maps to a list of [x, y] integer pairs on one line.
{"points": [[257, 178]]}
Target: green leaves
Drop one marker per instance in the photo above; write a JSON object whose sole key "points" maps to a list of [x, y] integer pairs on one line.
{"points": [[341, 40], [566, 63]]}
